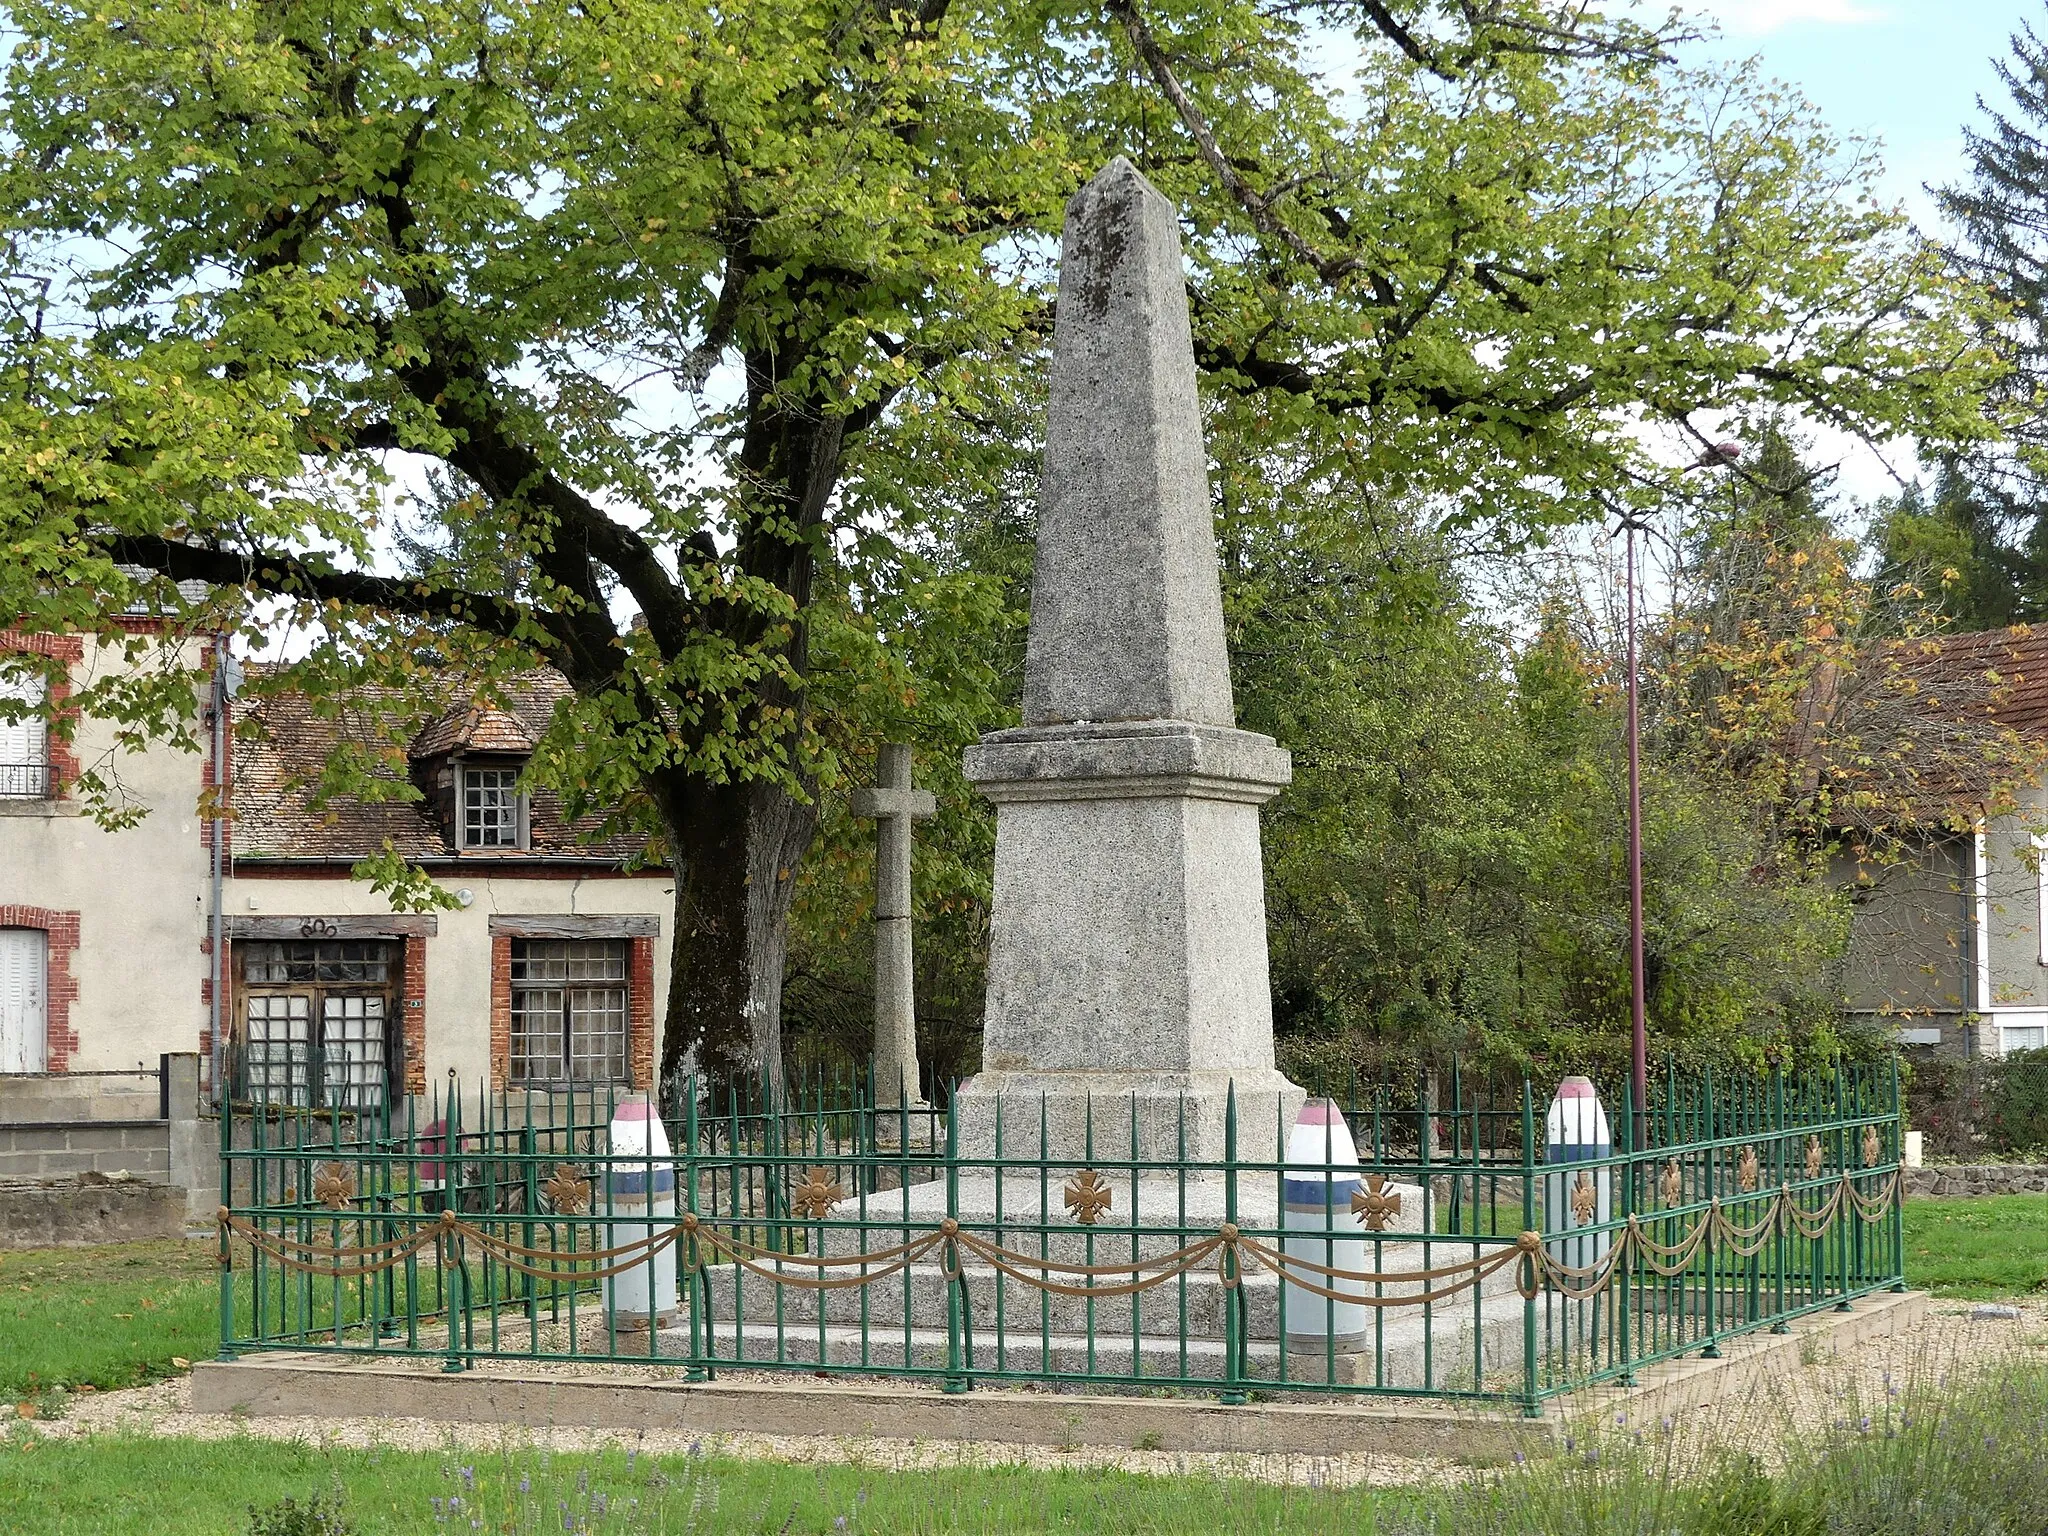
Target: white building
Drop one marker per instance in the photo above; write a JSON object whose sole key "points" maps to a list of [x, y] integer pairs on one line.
{"points": [[1949, 947], [550, 973]]}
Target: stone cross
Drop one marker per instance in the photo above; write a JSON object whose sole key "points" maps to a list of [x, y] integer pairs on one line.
{"points": [[894, 805]]}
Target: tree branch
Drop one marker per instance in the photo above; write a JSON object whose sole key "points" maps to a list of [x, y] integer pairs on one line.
{"points": [[283, 575]]}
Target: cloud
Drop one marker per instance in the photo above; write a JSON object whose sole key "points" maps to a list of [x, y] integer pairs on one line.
{"points": [[1755, 18]]}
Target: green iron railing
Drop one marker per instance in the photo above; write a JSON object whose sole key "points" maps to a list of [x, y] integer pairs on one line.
{"points": [[813, 1232]]}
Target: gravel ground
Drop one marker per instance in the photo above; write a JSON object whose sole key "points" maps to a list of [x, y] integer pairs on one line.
{"points": [[1841, 1391], [1825, 1390]]}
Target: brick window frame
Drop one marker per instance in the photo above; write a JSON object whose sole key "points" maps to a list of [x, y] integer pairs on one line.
{"points": [[60, 986], [639, 1007], [412, 1010], [221, 804], [60, 746], [412, 1003]]}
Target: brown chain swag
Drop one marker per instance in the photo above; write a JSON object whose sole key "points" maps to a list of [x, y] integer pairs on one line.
{"points": [[704, 1242]]}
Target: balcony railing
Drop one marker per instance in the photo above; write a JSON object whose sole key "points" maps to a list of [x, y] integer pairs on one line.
{"points": [[24, 781]]}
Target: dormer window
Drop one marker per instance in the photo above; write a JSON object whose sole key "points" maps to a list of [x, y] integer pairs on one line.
{"points": [[467, 764], [493, 810]]}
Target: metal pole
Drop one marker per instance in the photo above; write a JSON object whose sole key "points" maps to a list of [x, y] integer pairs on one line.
{"points": [[218, 1064], [1639, 1046]]}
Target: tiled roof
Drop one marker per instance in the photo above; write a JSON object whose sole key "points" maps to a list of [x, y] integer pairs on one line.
{"points": [[275, 816], [479, 728], [1953, 723], [2006, 670]]}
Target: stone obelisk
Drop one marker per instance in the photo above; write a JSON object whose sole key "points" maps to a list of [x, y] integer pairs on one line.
{"points": [[1127, 960]]}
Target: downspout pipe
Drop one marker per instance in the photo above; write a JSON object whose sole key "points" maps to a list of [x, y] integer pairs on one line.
{"points": [[1980, 932], [223, 690]]}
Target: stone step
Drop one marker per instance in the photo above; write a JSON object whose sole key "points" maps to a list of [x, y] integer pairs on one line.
{"points": [[1406, 1350], [921, 1290], [1146, 1217]]}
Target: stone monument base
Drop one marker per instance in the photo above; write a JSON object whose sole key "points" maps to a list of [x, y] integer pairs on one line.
{"points": [[1149, 1117]]}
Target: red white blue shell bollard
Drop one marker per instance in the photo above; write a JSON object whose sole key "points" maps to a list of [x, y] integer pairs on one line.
{"points": [[640, 1186], [1320, 1177]]}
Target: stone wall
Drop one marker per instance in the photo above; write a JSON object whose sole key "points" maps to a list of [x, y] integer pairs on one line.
{"points": [[1952, 1179], [61, 1149], [71, 1213], [122, 1126]]}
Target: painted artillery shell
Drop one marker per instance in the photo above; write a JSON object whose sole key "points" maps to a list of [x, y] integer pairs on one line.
{"points": [[1575, 1130], [640, 1156], [1320, 1178]]}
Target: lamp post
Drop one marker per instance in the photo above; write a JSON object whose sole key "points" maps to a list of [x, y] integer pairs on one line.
{"points": [[1717, 456]]}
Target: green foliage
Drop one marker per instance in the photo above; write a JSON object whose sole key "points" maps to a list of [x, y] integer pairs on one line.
{"points": [[1781, 670], [668, 294], [2016, 1105], [320, 1515], [1447, 874], [1975, 550]]}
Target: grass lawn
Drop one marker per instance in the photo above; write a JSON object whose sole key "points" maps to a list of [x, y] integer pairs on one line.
{"points": [[107, 1317], [1984, 1249], [125, 1486]]}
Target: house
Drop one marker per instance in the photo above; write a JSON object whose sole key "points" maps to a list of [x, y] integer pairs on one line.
{"points": [[1949, 947], [100, 932], [548, 973]]}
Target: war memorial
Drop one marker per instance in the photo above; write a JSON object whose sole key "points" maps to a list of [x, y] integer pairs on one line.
{"points": [[1129, 1198]]}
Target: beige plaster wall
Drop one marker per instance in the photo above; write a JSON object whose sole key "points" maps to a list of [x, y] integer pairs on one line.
{"points": [[2012, 889], [140, 893], [459, 955]]}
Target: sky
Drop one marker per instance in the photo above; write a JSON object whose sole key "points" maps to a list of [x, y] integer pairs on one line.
{"points": [[1906, 73]]}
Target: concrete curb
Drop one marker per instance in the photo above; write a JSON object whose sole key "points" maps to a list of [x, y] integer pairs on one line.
{"points": [[317, 1387], [320, 1386]]}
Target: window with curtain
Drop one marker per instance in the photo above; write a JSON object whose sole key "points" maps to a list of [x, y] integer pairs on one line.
{"points": [[568, 1011]]}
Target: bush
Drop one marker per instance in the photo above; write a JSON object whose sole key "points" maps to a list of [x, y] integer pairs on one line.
{"points": [[318, 1516], [2016, 1103]]}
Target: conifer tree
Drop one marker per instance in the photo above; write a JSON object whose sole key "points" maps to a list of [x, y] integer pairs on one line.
{"points": [[1985, 525]]}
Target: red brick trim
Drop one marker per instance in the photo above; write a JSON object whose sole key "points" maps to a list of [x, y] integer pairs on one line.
{"points": [[60, 647], [501, 1011], [63, 749], [60, 987], [412, 1010], [227, 998], [640, 1012]]}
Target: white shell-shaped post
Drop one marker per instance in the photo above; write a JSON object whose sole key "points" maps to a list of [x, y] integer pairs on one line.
{"points": [[640, 1186], [1321, 1177], [1578, 1201]]}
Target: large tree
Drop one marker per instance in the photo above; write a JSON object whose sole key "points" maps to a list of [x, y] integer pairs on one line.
{"points": [[659, 285], [1983, 543]]}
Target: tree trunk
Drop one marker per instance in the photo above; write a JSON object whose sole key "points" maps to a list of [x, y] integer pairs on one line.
{"points": [[737, 850], [736, 846]]}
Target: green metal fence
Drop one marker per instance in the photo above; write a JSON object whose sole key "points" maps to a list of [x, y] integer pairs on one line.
{"points": [[811, 1232]]}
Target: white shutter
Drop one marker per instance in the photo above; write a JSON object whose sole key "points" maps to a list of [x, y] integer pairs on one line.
{"points": [[23, 1032], [24, 744]]}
